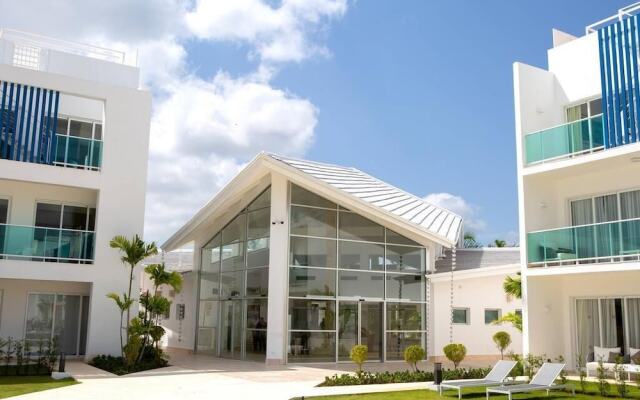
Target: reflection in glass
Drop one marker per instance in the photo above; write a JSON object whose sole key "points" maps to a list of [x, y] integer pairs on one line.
{"points": [[405, 287], [257, 282], [209, 285], [235, 230], [232, 284], [361, 284], [305, 197], [313, 252], [312, 282], [231, 332], [208, 329], [67, 324], [396, 238], [316, 315], [397, 342], [258, 224], [405, 259], [262, 201], [233, 256], [356, 227], [347, 329], [256, 334], [404, 317], [313, 222], [258, 253], [363, 256], [39, 317], [312, 346]]}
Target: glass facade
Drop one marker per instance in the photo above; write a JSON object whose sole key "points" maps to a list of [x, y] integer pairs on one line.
{"points": [[234, 281], [351, 281]]}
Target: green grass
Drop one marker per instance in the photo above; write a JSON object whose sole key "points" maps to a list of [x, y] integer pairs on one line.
{"points": [[16, 385], [591, 389]]}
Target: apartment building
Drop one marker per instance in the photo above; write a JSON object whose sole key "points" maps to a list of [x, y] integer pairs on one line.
{"points": [[74, 131], [578, 155]]}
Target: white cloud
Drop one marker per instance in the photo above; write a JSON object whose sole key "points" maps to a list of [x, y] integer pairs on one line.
{"points": [[276, 34], [203, 131], [460, 206]]}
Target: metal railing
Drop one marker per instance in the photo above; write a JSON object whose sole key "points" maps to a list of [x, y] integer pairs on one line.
{"points": [[627, 11], [78, 152], [564, 141], [616, 241], [46, 244]]}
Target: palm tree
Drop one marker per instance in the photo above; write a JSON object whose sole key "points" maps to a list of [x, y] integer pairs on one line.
{"points": [[470, 241], [134, 251], [160, 276], [123, 304], [513, 286], [500, 243], [513, 318]]}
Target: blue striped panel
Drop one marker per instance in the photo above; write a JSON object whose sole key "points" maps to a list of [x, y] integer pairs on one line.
{"points": [[27, 130]]}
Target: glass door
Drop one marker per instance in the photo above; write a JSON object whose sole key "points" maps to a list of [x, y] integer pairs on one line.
{"points": [[231, 332], [360, 322]]}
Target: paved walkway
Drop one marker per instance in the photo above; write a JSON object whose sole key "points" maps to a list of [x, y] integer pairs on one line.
{"points": [[198, 377]]}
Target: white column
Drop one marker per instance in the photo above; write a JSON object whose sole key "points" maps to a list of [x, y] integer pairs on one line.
{"points": [[278, 255]]}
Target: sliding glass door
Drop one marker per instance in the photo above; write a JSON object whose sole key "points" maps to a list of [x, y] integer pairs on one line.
{"points": [[57, 316]]}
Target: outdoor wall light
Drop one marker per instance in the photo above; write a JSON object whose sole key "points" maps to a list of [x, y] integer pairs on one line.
{"points": [[277, 222]]}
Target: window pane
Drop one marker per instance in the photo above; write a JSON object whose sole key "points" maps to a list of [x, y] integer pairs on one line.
{"points": [[262, 201], [39, 317], [257, 314], [235, 230], [316, 315], [97, 132], [312, 346], [397, 342], [396, 238], [211, 260], [258, 253], [460, 316], [4, 211], [361, 284], [48, 215], [61, 126], [406, 287], [404, 317], [258, 282], [208, 329], [233, 256], [405, 259], [232, 284], [629, 204], [258, 224], [80, 129], [596, 107], [91, 224], [256, 335], [363, 256], [313, 222], [74, 217], [67, 317], [209, 285], [355, 227], [606, 208], [305, 197], [491, 316], [311, 282], [313, 252]]}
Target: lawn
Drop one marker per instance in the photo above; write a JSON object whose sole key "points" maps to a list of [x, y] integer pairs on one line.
{"points": [[16, 385], [634, 393]]}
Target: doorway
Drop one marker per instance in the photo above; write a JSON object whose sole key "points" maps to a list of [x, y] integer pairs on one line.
{"points": [[360, 322], [231, 332]]}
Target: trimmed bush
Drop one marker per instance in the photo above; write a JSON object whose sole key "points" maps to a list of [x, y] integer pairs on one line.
{"points": [[359, 355], [455, 352], [502, 340], [372, 378], [414, 354]]}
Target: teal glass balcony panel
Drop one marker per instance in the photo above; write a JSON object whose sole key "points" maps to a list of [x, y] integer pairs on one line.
{"points": [[574, 138], [46, 244], [586, 242], [73, 151]]}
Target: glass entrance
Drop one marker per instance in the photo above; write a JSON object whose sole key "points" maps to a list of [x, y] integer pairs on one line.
{"points": [[231, 332], [360, 322]]}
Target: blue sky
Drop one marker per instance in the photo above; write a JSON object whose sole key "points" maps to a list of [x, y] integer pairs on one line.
{"points": [[419, 93], [415, 92]]}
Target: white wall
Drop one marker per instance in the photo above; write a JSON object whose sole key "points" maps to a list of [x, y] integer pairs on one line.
{"points": [[477, 290], [120, 199]]}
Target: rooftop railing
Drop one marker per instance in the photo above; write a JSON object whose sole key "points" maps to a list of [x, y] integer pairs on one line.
{"points": [[616, 241], [77, 152], [564, 141], [46, 244], [624, 12]]}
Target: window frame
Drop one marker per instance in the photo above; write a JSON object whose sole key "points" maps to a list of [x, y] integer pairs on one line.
{"points": [[499, 310], [467, 311]]}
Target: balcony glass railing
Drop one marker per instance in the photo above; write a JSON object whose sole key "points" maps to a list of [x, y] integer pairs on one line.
{"points": [[46, 244], [73, 151], [604, 242], [578, 137]]}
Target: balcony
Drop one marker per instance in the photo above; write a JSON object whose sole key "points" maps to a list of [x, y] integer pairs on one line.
{"points": [[46, 244], [564, 141], [77, 152], [607, 242]]}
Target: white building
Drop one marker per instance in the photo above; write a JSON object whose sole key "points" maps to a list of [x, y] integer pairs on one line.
{"points": [[577, 134], [74, 130], [475, 291]]}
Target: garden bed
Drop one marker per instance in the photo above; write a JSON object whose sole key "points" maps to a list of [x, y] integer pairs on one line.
{"points": [[116, 365], [374, 378]]}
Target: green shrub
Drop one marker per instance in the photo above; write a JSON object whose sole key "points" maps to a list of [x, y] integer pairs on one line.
{"points": [[621, 385], [371, 378], [603, 384], [414, 354], [152, 358], [502, 340], [359, 355], [455, 352], [532, 363]]}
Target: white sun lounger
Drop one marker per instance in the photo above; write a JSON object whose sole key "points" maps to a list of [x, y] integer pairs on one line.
{"points": [[495, 377], [543, 380]]}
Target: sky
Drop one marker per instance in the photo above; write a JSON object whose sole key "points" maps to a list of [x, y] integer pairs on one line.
{"points": [[416, 93]]}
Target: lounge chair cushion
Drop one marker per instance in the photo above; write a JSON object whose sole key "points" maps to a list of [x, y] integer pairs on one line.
{"points": [[592, 366], [602, 353], [613, 357]]}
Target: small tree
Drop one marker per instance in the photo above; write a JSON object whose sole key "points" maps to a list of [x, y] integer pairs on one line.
{"points": [[532, 363], [582, 373], [413, 355], [359, 355], [123, 304], [603, 385], [502, 340], [621, 385], [455, 352]]}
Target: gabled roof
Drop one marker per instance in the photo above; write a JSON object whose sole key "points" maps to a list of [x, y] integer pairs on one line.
{"points": [[429, 217], [354, 186]]}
